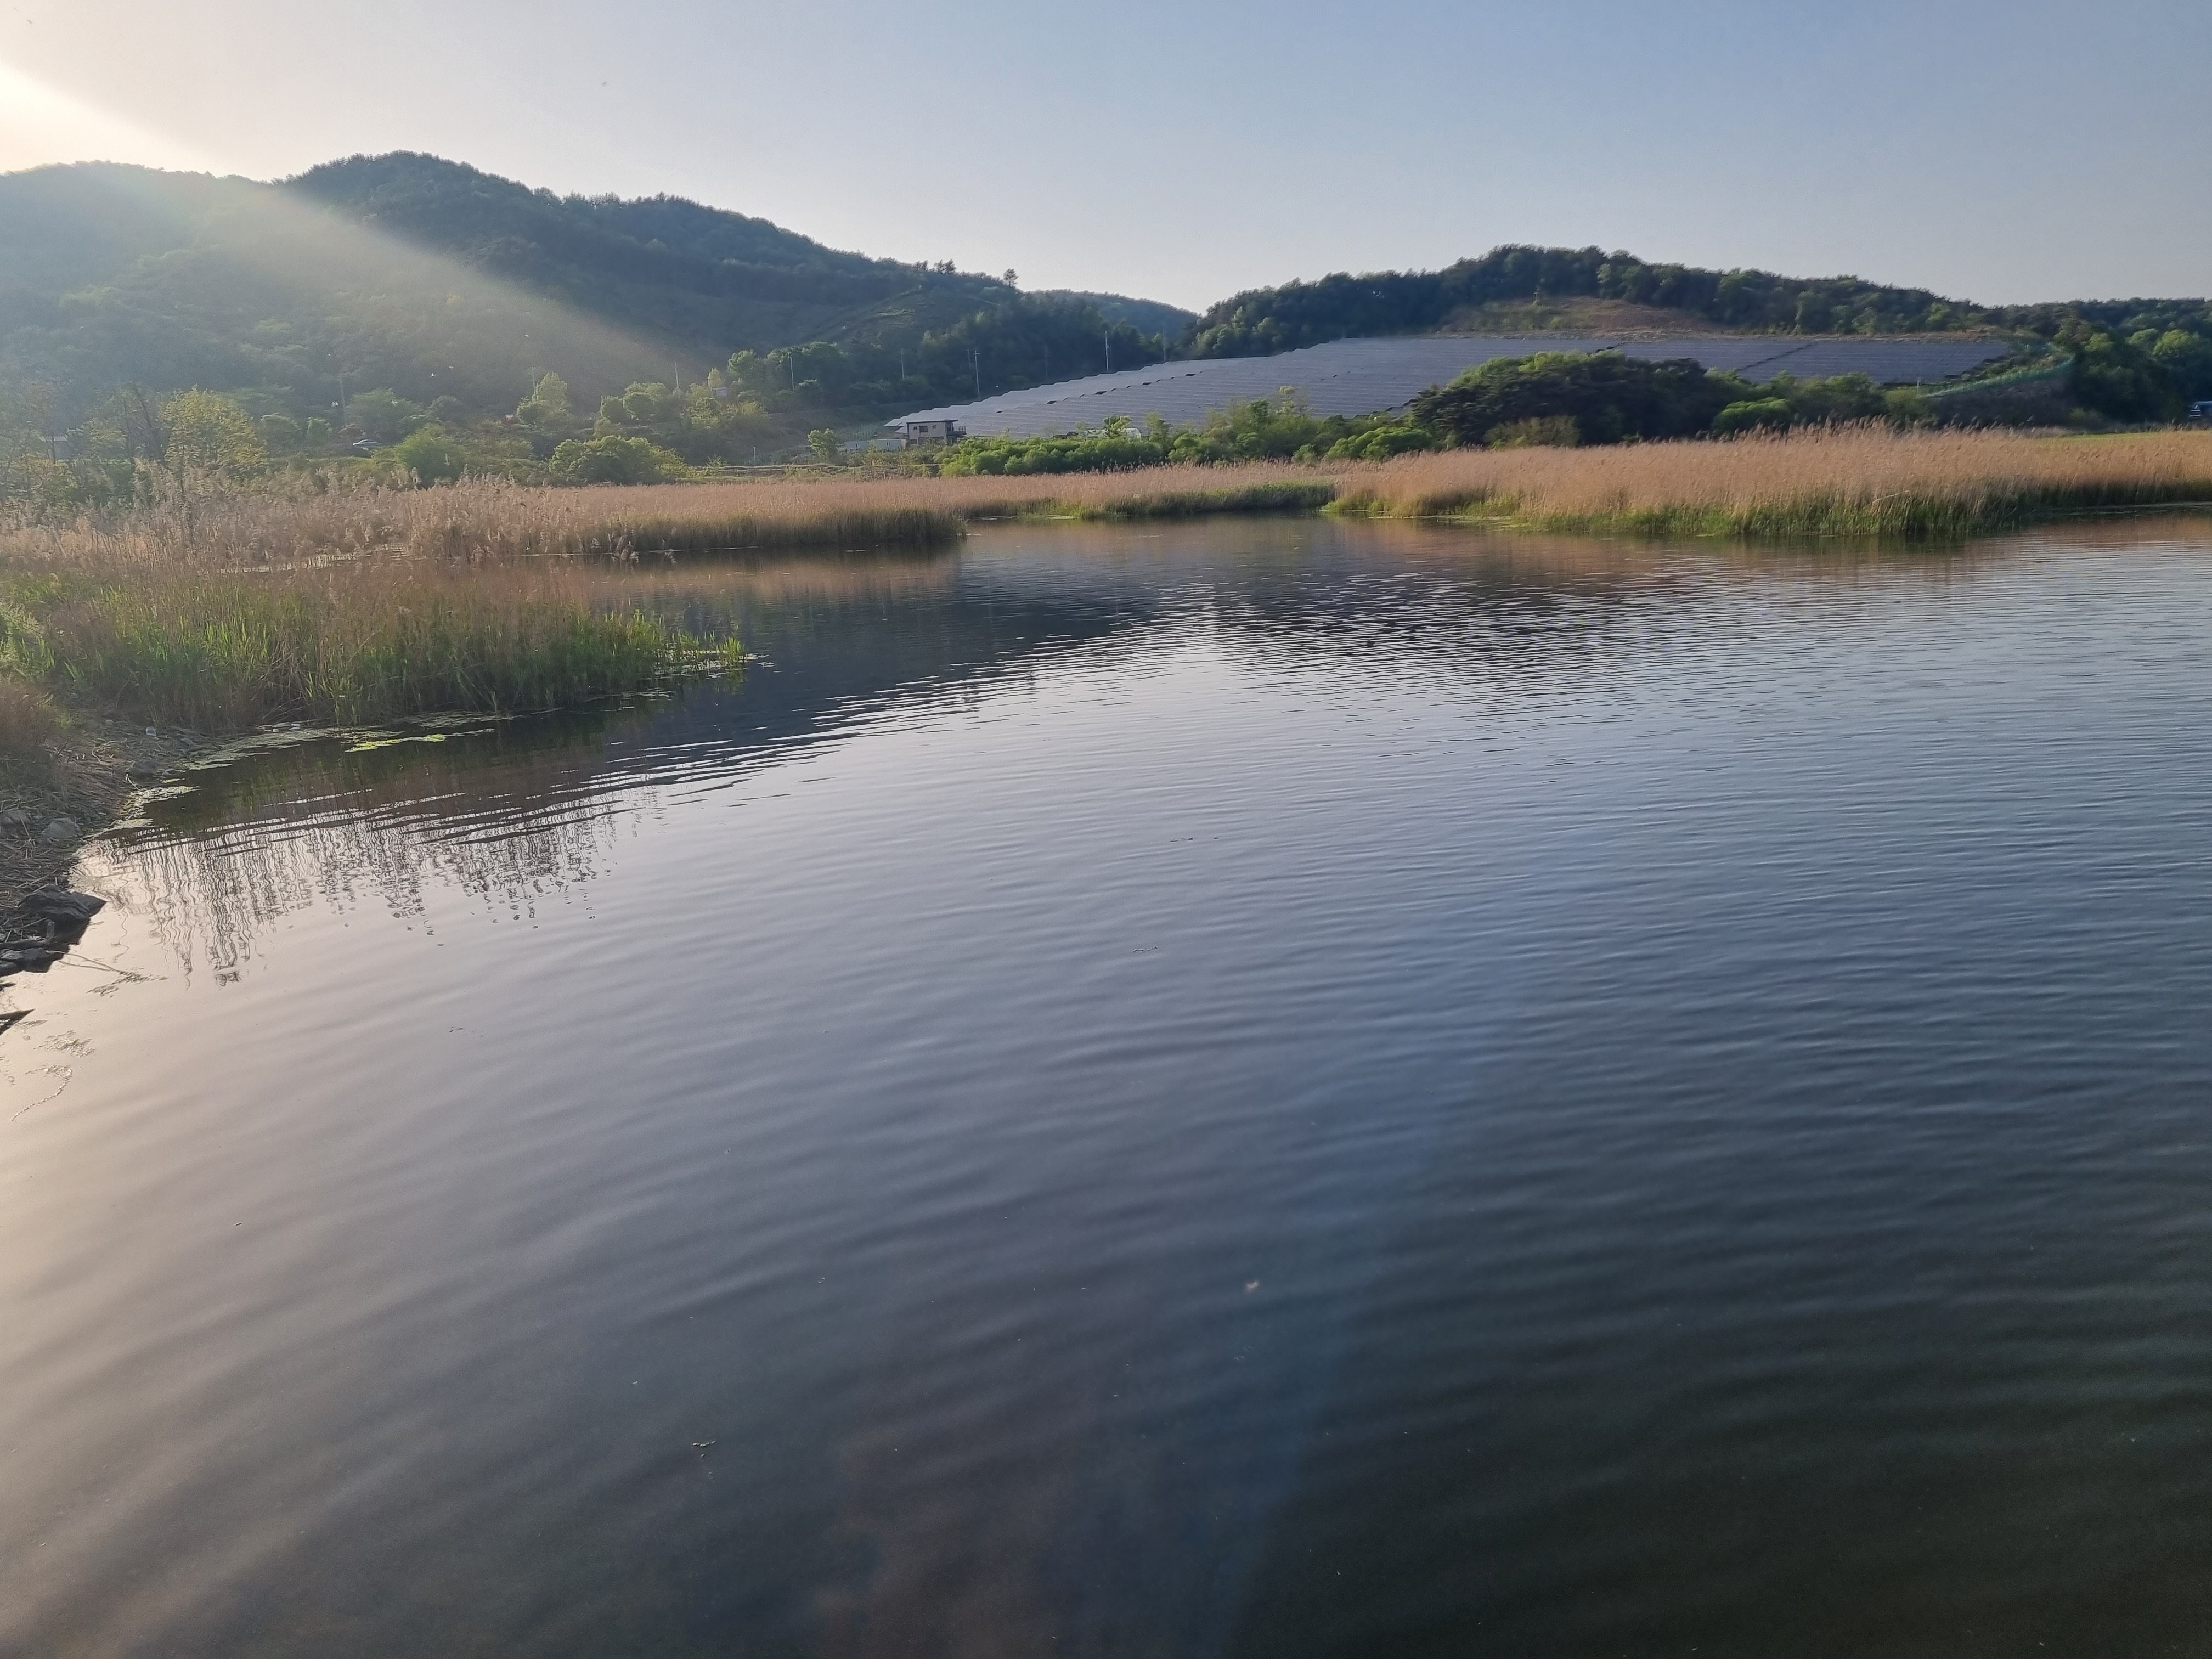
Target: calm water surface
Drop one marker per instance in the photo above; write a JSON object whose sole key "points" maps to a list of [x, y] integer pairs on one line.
{"points": [[1259, 1089]]}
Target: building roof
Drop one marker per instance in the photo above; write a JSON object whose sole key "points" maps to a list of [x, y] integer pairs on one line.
{"points": [[1366, 377]]}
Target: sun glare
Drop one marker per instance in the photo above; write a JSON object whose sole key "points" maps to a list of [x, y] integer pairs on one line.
{"points": [[40, 124]]}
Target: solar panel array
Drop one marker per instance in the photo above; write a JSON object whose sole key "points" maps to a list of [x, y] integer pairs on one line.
{"points": [[1365, 377]]}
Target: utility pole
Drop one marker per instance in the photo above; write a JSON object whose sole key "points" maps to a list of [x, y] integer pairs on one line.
{"points": [[342, 414], [975, 357], [1110, 348]]}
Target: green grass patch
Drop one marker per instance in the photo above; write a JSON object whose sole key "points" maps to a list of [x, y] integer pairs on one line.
{"points": [[225, 650]]}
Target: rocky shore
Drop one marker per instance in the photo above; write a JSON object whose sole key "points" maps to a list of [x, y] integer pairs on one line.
{"points": [[45, 818]]}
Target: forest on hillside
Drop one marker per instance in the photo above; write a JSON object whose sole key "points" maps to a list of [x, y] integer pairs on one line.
{"points": [[430, 280], [401, 299], [1262, 321]]}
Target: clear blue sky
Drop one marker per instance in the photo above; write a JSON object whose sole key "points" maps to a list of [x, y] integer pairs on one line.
{"points": [[1997, 151]]}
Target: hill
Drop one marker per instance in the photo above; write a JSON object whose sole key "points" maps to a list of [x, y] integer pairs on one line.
{"points": [[1146, 316], [436, 280], [1516, 288]]}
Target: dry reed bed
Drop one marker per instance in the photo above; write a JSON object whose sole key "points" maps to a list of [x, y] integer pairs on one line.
{"points": [[493, 520], [1860, 480], [1855, 481], [477, 519]]}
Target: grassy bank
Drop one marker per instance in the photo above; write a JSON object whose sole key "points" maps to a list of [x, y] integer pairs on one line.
{"points": [[219, 651], [56, 765]]}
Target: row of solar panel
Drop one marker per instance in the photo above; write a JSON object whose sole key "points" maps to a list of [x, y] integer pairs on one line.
{"points": [[1364, 377]]}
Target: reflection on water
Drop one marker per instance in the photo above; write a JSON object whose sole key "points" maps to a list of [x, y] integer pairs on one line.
{"points": [[1264, 1088], [513, 814]]}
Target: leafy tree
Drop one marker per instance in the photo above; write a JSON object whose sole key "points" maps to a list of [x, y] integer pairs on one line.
{"points": [[2187, 357], [1834, 400], [431, 455], [547, 405], [210, 433], [613, 460], [645, 407], [2120, 381], [717, 423], [823, 442], [704, 421], [383, 414], [1609, 397]]}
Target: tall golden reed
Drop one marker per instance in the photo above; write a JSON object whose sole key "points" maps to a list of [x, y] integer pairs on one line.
{"points": [[1852, 481], [1865, 480]]}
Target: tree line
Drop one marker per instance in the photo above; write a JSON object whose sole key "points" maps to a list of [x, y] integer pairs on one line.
{"points": [[1265, 321]]}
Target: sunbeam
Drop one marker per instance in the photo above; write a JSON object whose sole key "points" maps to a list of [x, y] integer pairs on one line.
{"points": [[40, 124]]}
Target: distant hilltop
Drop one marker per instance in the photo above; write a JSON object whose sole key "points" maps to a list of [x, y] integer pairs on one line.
{"points": [[1520, 290]]}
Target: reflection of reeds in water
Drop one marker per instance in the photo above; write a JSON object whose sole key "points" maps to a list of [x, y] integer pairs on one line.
{"points": [[509, 826], [723, 593]]}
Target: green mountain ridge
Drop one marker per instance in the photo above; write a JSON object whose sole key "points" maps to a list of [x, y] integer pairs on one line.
{"points": [[439, 281], [434, 279]]}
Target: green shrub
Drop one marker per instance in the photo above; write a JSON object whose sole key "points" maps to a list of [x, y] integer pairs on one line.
{"points": [[1382, 442], [1112, 451], [1608, 396], [613, 461], [430, 455], [1752, 414]]}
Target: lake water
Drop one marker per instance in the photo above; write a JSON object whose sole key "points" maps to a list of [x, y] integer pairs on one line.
{"points": [[1260, 1088]]}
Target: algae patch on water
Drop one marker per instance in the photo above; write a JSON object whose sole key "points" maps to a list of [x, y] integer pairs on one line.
{"points": [[391, 739]]}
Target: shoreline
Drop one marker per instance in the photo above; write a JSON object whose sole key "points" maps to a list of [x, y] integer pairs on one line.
{"points": [[92, 774], [99, 757]]}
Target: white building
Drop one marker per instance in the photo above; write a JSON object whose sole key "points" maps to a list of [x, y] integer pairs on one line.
{"points": [[923, 430]]}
